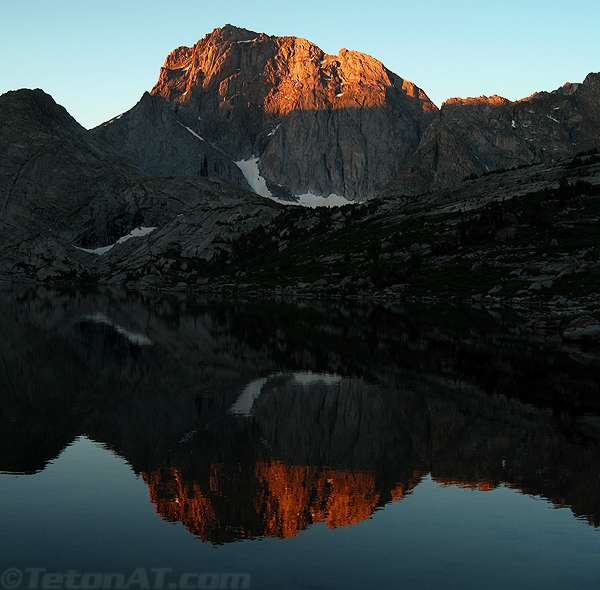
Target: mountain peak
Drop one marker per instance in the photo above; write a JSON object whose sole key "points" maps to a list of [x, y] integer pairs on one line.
{"points": [[36, 107], [494, 100], [296, 121], [298, 111], [230, 33]]}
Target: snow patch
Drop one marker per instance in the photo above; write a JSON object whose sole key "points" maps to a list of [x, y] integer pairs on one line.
{"points": [[310, 378], [113, 119], [137, 338], [252, 391], [187, 436], [553, 119], [274, 130], [309, 199], [244, 403], [191, 130], [252, 175], [138, 232], [258, 184], [513, 124]]}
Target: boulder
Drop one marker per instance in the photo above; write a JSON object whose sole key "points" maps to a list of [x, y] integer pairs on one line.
{"points": [[583, 329], [508, 233]]}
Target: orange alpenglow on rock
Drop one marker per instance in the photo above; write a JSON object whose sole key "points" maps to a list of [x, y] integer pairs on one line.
{"points": [[296, 496], [286, 74], [326, 125], [484, 485], [244, 106], [271, 499]]}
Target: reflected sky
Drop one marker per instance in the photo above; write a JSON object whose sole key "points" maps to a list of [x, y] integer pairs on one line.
{"points": [[312, 445], [100, 518]]}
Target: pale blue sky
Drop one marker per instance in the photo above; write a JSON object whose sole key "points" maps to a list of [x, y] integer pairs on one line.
{"points": [[97, 57]]}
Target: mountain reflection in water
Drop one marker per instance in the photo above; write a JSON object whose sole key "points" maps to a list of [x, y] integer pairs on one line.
{"points": [[249, 419]]}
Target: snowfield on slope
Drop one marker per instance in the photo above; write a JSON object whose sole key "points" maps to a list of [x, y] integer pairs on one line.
{"points": [[258, 184]]}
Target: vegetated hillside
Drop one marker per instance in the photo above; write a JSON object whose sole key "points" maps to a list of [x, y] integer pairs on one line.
{"points": [[525, 234]]}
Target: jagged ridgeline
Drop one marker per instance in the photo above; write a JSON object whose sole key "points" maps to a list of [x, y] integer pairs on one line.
{"points": [[310, 122], [241, 116]]}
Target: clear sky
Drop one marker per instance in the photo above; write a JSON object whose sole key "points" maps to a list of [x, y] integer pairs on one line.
{"points": [[97, 57]]}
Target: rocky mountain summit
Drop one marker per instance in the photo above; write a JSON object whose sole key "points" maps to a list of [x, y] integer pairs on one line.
{"points": [[297, 121], [311, 122]]}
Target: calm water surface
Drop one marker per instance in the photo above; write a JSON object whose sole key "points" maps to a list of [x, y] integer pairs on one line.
{"points": [[152, 441]]}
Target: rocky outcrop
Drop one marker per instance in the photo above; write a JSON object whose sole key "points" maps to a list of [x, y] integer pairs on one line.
{"points": [[64, 191], [317, 123], [151, 135], [180, 246], [336, 124], [279, 115], [478, 135], [56, 178], [584, 329]]}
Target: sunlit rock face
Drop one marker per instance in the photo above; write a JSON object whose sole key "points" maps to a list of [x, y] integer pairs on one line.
{"points": [[326, 124], [478, 135], [335, 124]]}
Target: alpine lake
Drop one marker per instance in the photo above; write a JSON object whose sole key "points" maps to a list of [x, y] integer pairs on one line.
{"points": [[174, 441]]}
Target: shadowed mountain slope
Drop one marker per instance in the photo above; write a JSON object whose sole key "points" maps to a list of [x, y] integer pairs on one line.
{"points": [[479, 135], [316, 123]]}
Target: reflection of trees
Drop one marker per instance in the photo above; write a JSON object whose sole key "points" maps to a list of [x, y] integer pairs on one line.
{"points": [[465, 397]]}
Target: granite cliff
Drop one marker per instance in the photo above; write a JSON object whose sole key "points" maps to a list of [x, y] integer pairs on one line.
{"points": [[298, 121], [470, 137], [324, 124]]}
